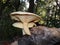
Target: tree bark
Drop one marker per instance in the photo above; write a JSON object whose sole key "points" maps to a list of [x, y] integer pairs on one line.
{"points": [[41, 35], [31, 6]]}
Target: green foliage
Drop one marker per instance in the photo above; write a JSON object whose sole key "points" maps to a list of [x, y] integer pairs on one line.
{"points": [[7, 31], [49, 11]]}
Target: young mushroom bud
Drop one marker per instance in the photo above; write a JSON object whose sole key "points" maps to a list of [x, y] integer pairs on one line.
{"points": [[26, 19]]}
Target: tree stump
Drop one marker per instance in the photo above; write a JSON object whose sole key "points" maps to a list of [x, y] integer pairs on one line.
{"points": [[41, 35]]}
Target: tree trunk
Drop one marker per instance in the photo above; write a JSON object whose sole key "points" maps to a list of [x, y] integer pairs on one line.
{"points": [[31, 6]]}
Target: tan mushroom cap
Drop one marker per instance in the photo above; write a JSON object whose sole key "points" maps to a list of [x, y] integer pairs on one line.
{"points": [[25, 16], [20, 25]]}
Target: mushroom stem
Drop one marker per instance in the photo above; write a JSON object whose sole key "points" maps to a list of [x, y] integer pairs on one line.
{"points": [[26, 29]]}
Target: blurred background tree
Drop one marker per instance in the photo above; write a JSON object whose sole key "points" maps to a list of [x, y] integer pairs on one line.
{"points": [[47, 9]]}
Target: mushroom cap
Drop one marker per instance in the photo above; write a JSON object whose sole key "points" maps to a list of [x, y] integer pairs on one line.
{"points": [[20, 25], [25, 16]]}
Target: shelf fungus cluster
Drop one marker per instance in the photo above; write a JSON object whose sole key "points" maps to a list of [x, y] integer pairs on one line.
{"points": [[25, 20]]}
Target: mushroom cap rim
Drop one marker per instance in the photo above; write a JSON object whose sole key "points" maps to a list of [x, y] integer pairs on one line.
{"points": [[24, 13]]}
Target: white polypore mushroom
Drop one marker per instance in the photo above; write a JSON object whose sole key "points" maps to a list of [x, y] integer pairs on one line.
{"points": [[26, 20]]}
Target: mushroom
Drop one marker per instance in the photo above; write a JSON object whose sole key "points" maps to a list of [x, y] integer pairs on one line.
{"points": [[26, 20]]}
